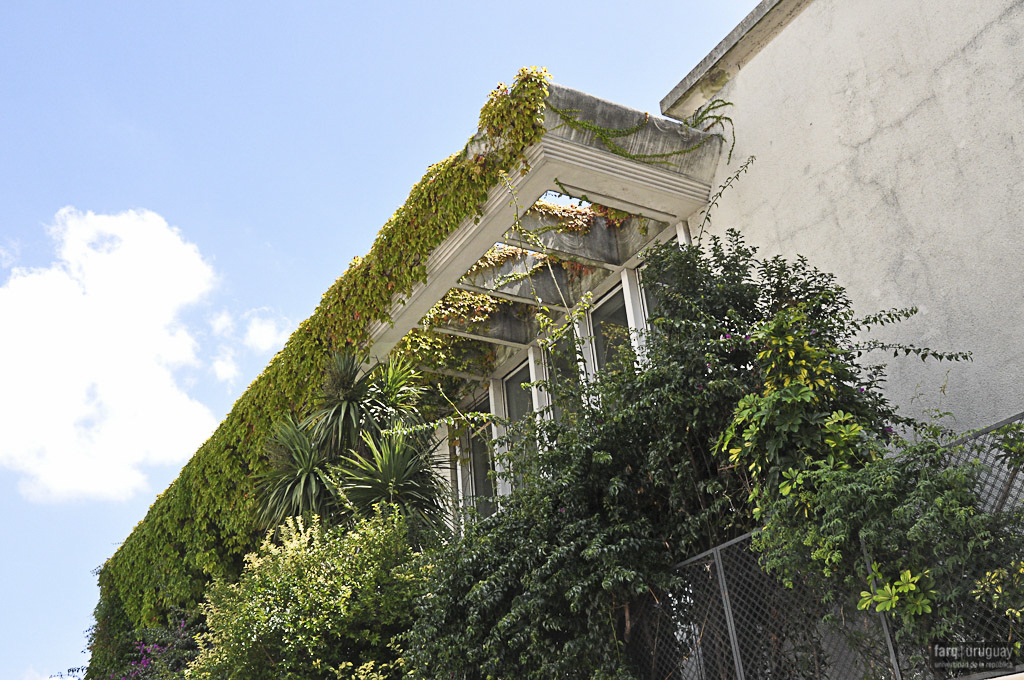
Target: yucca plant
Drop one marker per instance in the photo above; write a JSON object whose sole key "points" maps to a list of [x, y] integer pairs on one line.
{"points": [[342, 407], [398, 471], [298, 481], [394, 395], [346, 447]]}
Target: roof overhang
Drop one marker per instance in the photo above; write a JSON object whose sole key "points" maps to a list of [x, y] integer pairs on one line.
{"points": [[661, 171]]}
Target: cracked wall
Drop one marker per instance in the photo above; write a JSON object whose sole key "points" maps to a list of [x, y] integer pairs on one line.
{"points": [[889, 137]]}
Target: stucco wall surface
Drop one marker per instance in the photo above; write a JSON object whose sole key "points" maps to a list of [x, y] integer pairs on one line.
{"points": [[889, 137]]}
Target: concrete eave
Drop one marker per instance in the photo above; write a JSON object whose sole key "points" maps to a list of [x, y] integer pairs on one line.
{"points": [[759, 27], [668, 190]]}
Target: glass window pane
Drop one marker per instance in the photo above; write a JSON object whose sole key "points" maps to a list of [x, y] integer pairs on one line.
{"points": [[650, 303], [563, 368], [482, 465], [611, 329], [518, 399], [562, 359]]}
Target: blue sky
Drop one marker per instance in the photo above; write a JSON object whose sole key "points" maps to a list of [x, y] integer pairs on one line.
{"points": [[179, 183]]}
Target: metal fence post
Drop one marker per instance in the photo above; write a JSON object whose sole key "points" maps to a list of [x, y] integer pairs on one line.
{"points": [[733, 640], [881, 617]]}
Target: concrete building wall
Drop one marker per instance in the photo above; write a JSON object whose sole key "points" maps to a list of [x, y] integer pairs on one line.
{"points": [[889, 137]]}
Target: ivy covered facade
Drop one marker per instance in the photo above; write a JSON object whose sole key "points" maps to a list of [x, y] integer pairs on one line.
{"points": [[489, 238]]}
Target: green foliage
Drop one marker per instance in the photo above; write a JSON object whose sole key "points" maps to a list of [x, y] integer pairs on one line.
{"points": [[912, 514], [751, 405], [170, 649], [622, 486], [112, 640], [397, 471], [344, 405], [1009, 440], [347, 458], [322, 603], [1003, 589], [206, 521], [342, 447], [835, 486], [298, 481], [159, 653]]}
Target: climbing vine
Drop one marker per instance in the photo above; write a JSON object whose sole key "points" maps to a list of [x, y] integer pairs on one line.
{"points": [[203, 524], [570, 218], [201, 527], [709, 118]]}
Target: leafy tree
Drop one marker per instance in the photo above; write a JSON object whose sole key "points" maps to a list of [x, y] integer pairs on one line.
{"points": [[848, 505], [322, 603], [753, 405], [627, 481]]}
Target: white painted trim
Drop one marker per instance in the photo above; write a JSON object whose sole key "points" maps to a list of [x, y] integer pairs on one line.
{"points": [[496, 391], [635, 317], [538, 372], [661, 189], [584, 330], [615, 181], [683, 232], [464, 470]]}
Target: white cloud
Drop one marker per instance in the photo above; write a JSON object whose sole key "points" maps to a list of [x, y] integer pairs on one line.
{"points": [[222, 324], [224, 365], [88, 347], [263, 334]]}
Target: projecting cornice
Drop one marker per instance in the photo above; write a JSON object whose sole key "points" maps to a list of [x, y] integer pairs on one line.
{"points": [[723, 63], [662, 171]]}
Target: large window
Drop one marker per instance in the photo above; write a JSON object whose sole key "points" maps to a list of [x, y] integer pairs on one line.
{"points": [[518, 401], [562, 364], [614, 321]]}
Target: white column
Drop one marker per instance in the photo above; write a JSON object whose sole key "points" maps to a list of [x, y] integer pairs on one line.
{"points": [[633, 297], [496, 391], [584, 331], [683, 233], [538, 371]]}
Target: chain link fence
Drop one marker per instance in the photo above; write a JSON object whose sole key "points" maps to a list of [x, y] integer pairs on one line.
{"points": [[733, 621]]}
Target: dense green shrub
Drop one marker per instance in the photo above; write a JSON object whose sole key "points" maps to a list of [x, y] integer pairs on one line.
{"points": [[851, 498], [627, 481], [318, 604], [751, 407]]}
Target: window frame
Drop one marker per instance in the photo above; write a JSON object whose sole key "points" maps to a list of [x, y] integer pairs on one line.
{"points": [[629, 283]]}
